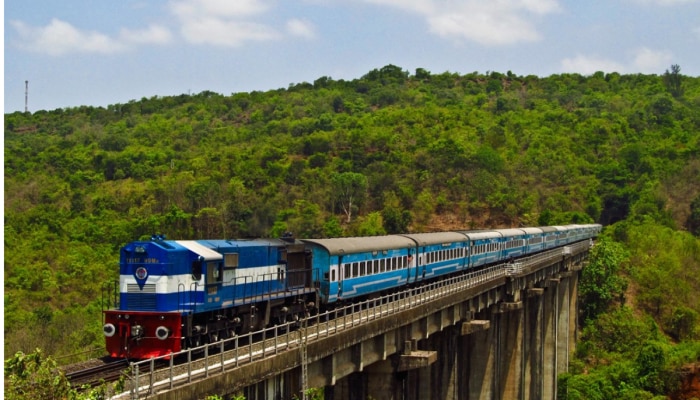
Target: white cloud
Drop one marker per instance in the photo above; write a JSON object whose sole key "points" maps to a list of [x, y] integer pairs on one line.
{"points": [[59, 38], [425, 7], [221, 8], [495, 22], [222, 22], [665, 2], [218, 31], [155, 34], [642, 60], [300, 28], [484, 26], [540, 6], [587, 65], [651, 61]]}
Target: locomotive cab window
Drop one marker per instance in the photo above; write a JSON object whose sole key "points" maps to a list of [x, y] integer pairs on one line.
{"points": [[214, 274], [196, 270]]}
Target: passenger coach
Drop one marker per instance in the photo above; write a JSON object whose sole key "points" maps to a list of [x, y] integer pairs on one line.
{"points": [[360, 266]]}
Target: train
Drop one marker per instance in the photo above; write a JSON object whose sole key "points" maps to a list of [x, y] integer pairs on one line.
{"points": [[179, 294]]}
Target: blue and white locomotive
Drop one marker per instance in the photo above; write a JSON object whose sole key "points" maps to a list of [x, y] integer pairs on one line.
{"points": [[179, 294]]}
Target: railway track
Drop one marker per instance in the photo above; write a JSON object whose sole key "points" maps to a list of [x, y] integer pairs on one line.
{"points": [[108, 370]]}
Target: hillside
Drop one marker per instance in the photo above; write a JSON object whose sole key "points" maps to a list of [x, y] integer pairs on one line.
{"points": [[389, 152]]}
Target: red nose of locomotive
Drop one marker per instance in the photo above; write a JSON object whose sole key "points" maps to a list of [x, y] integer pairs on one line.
{"points": [[142, 335]]}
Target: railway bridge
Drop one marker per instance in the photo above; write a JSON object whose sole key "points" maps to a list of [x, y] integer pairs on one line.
{"points": [[504, 332]]}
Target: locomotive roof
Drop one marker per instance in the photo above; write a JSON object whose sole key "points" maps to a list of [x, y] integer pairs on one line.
{"points": [[424, 239], [234, 243], [196, 247], [353, 245]]}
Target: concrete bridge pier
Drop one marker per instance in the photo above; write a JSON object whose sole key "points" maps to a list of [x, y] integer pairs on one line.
{"points": [[479, 357], [509, 348], [549, 352], [533, 351], [564, 319]]}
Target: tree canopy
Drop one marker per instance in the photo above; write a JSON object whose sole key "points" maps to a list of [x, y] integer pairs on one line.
{"points": [[390, 151]]}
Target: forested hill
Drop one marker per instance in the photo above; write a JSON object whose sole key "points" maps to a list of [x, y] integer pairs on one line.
{"points": [[391, 151]]}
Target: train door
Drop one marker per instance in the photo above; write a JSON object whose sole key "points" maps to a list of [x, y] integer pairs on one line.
{"points": [[422, 264], [414, 265], [340, 276], [464, 253], [298, 263], [334, 271], [214, 280]]}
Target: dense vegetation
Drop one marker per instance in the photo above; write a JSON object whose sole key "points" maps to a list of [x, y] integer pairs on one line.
{"points": [[388, 152]]}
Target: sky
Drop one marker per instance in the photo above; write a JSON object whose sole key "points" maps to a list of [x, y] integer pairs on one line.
{"points": [[99, 53]]}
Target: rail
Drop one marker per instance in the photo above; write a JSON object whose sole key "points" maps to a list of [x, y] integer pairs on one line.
{"points": [[270, 341]]}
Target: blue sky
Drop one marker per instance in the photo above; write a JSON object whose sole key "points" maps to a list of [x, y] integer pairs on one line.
{"points": [[97, 53]]}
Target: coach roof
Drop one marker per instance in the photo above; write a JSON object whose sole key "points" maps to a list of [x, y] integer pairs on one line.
{"points": [[425, 239], [351, 245]]}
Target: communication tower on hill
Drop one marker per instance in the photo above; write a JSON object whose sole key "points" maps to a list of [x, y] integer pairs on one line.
{"points": [[26, 96]]}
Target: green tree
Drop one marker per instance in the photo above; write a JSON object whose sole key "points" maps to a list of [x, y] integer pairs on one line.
{"points": [[693, 221], [350, 190], [600, 282], [36, 376], [395, 219], [332, 227], [674, 81], [651, 363], [371, 225]]}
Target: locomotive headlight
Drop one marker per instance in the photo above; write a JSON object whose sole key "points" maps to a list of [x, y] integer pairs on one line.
{"points": [[109, 330], [162, 332], [137, 331]]}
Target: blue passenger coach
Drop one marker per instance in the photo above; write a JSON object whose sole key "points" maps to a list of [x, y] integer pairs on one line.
{"points": [[359, 266], [484, 247], [550, 234], [513, 242], [439, 253], [534, 240]]}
